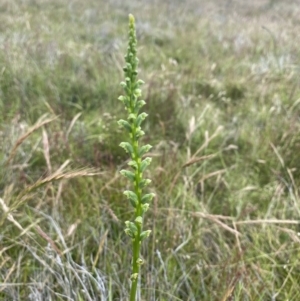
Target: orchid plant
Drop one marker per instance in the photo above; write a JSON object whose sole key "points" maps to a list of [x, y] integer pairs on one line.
{"points": [[138, 162]]}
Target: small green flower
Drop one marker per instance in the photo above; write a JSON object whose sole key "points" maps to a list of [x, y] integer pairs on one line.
{"points": [[140, 261], [145, 234], [139, 220]]}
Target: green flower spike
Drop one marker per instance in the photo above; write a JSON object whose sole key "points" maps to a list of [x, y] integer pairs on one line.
{"points": [[137, 163]]}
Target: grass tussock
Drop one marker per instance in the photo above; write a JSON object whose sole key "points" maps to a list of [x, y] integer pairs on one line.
{"points": [[222, 92]]}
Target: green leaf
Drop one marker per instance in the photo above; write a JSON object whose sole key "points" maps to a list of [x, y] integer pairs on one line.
{"points": [[146, 162], [128, 174], [144, 149], [147, 198], [132, 197]]}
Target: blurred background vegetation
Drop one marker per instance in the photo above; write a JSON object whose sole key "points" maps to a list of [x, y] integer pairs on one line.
{"points": [[222, 91]]}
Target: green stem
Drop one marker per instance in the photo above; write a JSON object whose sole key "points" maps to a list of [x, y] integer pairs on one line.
{"points": [[135, 267], [136, 245]]}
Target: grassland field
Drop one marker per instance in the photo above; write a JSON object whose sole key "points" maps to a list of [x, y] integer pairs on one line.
{"points": [[223, 96]]}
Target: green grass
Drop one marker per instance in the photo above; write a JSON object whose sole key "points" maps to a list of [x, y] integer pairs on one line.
{"points": [[222, 94]]}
